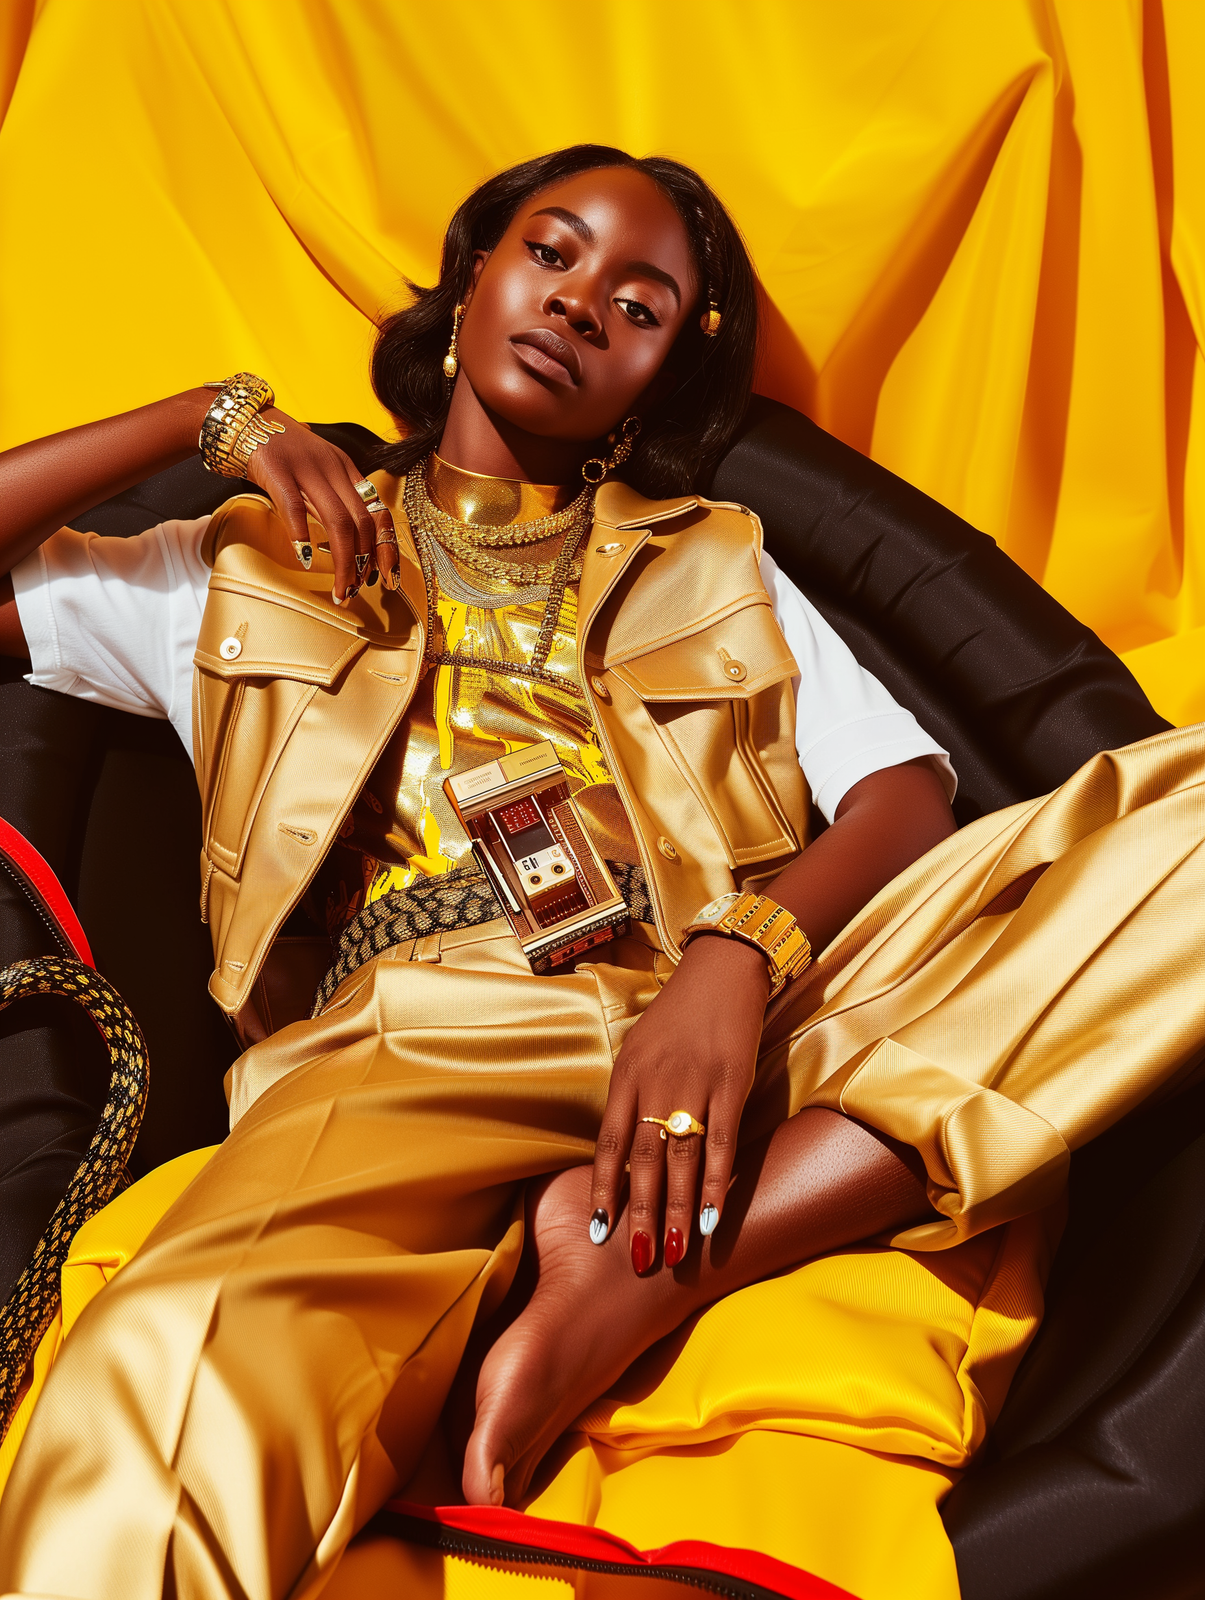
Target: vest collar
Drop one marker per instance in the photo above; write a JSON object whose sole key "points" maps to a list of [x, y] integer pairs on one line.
{"points": [[617, 505]]}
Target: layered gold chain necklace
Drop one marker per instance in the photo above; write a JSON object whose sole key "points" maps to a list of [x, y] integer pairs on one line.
{"points": [[438, 535]]}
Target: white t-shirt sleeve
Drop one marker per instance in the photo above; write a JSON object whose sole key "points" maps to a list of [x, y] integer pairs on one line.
{"points": [[846, 724], [116, 620]]}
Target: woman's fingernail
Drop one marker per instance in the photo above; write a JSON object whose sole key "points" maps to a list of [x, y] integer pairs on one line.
{"points": [[642, 1252], [351, 591], [675, 1247], [497, 1484], [708, 1218], [600, 1224], [361, 566], [372, 577]]}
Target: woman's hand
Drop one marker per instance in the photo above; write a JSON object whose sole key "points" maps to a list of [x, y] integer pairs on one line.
{"points": [[300, 471], [695, 1050], [695, 1047]]}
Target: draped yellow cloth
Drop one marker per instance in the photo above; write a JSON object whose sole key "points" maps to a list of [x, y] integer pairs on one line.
{"points": [[980, 225]]}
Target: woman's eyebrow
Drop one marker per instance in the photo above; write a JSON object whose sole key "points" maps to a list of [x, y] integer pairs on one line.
{"points": [[646, 269], [571, 220]]}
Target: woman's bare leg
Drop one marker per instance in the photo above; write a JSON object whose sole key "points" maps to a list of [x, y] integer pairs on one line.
{"points": [[819, 1182]]}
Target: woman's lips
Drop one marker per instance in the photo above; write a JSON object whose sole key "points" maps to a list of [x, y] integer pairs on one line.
{"points": [[548, 355]]}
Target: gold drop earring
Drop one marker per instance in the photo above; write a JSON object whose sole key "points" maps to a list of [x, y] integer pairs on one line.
{"points": [[452, 359], [596, 469]]}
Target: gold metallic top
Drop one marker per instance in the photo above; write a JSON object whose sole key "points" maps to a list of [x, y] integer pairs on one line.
{"points": [[403, 824], [475, 497]]}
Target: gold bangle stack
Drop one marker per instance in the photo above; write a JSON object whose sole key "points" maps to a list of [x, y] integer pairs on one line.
{"points": [[233, 427]]}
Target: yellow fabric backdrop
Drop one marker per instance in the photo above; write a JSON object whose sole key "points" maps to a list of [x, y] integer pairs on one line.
{"points": [[981, 225]]}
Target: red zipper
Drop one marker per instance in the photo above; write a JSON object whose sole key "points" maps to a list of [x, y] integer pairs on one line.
{"points": [[496, 1533]]}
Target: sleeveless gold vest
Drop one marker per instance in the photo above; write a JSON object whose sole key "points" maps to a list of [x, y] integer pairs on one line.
{"points": [[687, 672]]}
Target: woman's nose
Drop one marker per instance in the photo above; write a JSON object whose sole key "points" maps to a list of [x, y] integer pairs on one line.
{"points": [[578, 310]]}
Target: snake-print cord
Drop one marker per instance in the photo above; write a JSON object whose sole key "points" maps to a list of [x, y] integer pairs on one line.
{"points": [[35, 1298]]}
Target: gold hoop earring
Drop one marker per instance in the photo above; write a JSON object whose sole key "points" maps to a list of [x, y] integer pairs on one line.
{"points": [[596, 469], [452, 359]]}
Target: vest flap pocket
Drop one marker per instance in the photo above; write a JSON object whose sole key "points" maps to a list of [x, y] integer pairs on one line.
{"points": [[245, 636], [731, 659]]}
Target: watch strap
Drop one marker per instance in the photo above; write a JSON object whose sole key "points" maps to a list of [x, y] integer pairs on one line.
{"points": [[763, 923]]}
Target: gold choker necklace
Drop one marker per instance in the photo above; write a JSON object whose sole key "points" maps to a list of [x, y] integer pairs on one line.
{"points": [[467, 539], [489, 502]]}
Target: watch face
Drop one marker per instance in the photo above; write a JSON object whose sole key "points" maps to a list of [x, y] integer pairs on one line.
{"points": [[715, 909]]}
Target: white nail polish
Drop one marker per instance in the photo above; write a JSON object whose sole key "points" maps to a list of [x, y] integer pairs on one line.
{"points": [[708, 1218], [598, 1227]]}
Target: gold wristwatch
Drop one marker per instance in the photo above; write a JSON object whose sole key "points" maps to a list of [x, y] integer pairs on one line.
{"points": [[761, 922]]}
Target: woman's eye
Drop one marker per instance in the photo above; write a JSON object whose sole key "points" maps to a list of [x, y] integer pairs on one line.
{"points": [[544, 253], [639, 312]]}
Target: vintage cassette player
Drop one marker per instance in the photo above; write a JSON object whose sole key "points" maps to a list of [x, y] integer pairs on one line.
{"points": [[532, 844]]}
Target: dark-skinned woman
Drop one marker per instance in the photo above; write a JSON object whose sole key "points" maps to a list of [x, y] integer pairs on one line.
{"points": [[889, 1039]]}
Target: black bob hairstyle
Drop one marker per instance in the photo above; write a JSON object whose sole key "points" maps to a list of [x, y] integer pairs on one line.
{"points": [[683, 436]]}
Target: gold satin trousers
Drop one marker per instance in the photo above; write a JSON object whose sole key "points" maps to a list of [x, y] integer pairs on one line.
{"points": [[271, 1365]]}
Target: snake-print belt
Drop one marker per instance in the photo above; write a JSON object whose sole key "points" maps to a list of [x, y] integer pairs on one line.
{"points": [[460, 899]]}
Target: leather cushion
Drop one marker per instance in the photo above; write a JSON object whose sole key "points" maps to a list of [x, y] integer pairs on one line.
{"points": [[1018, 691], [1092, 1486]]}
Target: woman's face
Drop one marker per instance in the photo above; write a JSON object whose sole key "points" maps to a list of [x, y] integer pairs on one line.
{"points": [[572, 315]]}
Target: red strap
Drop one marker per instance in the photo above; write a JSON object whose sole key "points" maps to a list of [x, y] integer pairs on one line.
{"points": [[46, 888], [576, 1541]]}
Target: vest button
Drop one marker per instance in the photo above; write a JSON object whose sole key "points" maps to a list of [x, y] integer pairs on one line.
{"points": [[667, 849], [608, 549], [600, 688], [230, 649], [736, 670]]}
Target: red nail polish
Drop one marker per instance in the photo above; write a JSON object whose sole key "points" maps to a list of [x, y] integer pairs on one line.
{"points": [[675, 1247], [642, 1252]]}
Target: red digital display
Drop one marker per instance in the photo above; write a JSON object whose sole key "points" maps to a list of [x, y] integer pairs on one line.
{"points": [[518, 815]]}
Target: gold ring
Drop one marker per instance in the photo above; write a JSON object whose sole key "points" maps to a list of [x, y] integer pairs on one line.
{"points": [[375, 507], [387, 538], [680, 1123], [366, 490]]}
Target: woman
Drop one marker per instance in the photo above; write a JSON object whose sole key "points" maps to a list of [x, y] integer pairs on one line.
{"points": [[274, 1363]]}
